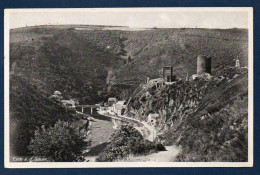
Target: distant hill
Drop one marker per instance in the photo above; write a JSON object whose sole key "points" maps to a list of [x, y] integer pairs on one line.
{"points": [[85, 62]]}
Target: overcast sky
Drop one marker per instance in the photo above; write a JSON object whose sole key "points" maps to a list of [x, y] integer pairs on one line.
{"points": [[161, 18]]}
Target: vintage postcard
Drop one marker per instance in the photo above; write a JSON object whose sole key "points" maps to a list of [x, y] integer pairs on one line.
{"points": [[128, 87]]}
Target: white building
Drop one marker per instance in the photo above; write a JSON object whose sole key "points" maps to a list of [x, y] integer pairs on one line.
{"points": [[206, 76], [57, 93], [194, 76], [237, 63], [159, 82], [119, 107], [111, 101], [103, 108], [69, 103], [152, 118]]}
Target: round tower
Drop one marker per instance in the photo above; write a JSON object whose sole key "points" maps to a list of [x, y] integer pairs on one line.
{"points": [[203, 64]]}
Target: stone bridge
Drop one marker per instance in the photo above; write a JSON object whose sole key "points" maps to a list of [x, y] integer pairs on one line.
{"points": [[83, 108]]}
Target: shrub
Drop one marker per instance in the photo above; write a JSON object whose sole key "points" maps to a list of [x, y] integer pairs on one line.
{"points": [[124, 142], [60, 143], [160, 147]]}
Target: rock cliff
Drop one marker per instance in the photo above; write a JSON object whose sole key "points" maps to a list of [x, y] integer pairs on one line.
{"points": [[208, 118]]}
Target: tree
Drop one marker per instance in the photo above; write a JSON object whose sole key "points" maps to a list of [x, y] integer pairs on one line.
{"points": [[60, 143], [127, 141]]}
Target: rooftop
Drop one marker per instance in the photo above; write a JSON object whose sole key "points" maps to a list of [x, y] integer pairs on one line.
{"points": [[112, 99]]}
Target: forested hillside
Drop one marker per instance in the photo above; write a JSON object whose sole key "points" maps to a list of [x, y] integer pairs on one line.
{"points": [[84, 61], [29, 110], [73, 62]]}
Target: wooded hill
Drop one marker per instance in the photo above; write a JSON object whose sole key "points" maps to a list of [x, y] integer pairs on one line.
{"points": [[77, 62], [29, 110]]}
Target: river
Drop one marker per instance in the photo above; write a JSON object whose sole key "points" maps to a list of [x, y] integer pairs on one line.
{"points": [[101, 130]]}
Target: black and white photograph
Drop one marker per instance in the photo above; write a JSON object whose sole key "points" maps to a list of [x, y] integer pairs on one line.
{"points": [[128, 87]]}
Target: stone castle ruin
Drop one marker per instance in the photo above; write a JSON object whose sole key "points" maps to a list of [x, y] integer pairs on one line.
{"points": [[168, 77], [168, 74], [203, 67], [203, 64]]}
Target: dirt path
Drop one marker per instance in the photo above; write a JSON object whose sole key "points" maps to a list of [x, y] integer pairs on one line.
{"points": [[163, 156]]}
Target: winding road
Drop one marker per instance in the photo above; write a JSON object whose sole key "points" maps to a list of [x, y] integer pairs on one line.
{"points": [[148, 131]]}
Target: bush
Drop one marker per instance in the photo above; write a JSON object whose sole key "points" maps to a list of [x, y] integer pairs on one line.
{"points": [[124, 142], [61, 143]]}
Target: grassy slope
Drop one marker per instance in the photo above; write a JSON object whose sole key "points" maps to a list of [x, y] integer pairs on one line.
{"points": [[218, 130], [222, 136]]}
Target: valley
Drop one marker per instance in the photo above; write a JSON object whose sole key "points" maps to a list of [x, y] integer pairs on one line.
{"points": [[89, 65]]}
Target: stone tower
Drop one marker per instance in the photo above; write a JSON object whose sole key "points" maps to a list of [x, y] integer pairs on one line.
{"points": [[203, 65], [168, 73], [237, 63]]}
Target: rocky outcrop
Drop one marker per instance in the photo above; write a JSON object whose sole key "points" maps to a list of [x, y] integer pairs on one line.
{"points": [[169, 101], [173, 101], [207, 118]]}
